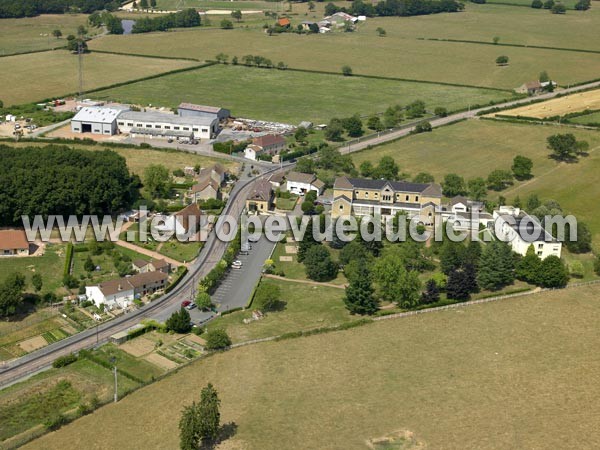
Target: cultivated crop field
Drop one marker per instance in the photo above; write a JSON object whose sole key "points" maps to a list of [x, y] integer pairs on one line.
{"points": [[37, 76], [35, 33], [583, 101], [289, 96], [521, 373]]}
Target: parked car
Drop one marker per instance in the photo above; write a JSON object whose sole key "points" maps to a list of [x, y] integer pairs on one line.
{"points": [[190, 306], [237, 264], [185, 303]]}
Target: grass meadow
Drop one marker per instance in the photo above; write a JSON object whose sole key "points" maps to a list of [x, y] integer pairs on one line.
{"points": [[289, 96], [403, 53], [37, 76], [477, 147], [587, 119], [521, 373], [35, 33]]}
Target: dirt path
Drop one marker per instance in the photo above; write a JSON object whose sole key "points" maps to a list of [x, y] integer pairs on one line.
{"points": [[312, 283], [150, 253]]}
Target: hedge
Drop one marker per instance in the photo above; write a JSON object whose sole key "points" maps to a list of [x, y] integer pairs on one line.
{"points": [[68, 260], [65, 360], [344, 326], [107, 365], [176, 280]]}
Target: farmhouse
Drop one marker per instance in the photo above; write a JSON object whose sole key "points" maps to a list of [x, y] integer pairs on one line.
{"points": [[252, 152], [521, 231], [13, 243], [96, 120], [361, 196], [186, 221], [271, 144], [260, 198], [122, 291], [163, 125], [205, 189], [284, 22], [192, 110], [534, 87], [154, 265], [301, 183], [276, 180]]}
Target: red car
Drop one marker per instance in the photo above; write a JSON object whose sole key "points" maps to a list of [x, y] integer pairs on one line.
{"points": [[185, 303]]}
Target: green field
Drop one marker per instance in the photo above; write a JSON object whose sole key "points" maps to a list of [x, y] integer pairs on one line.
{"points": [[520, 373], [569, 4], [38, 76], [50, 266], [588, 119], [401, 54], [35, 33], [171, 5], [306, 307], [477, 147], [288, 96]]}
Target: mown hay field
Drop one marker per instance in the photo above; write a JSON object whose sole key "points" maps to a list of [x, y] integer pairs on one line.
{"points": [[520, 373]]}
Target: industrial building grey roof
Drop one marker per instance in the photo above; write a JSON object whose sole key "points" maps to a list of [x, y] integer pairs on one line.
{"points": [[201, 108], [161, 132], [155, 116]]}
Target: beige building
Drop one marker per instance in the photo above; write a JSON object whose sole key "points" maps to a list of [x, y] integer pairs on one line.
{"points": [[260, 198], [209, 183], [361, 196], [13, 243]]}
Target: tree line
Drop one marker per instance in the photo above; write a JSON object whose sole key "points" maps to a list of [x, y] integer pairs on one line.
{"points": [[181, 19], [31, 8], [63, 181], [397, 8]]}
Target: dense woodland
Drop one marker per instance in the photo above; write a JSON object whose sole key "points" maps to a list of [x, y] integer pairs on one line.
{"points": [[64, 181], [398, 7], [30, 8], [181, 19]]}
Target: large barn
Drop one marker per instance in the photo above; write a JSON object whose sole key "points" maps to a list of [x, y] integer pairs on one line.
{"points": [[96, 120], [192, 110]]}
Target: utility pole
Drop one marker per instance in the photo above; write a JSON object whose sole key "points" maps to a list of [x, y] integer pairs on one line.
{"points": [[116, 394]]}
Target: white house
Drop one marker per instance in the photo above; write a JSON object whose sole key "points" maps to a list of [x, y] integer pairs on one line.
{"points": [[521, 230], [466, 214], [122, 291], [301, 183], [252, 152]]}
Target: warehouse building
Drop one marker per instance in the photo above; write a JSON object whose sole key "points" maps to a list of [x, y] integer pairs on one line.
{"points": [[96, 120], [163, 125], [191, 110]]}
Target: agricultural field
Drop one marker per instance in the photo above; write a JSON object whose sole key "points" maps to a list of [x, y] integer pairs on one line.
{"points": [[587, 119], [419, 59], [523, 357], [172, 5], [306, 307], [578, 102], [288, 96], [139, 158], [477, 147], [569, 4], [26, 82], [35, 33]]}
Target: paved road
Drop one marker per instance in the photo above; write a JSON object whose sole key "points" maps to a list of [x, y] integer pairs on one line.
{"points": [[235, 289], [376, 140], [211, 253]]}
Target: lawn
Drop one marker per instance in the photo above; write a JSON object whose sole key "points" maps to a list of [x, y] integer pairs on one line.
{"points": [[35, 33], [38, 76], [180, 251], [569, 4], [292, 97], [50, 266], [520, 373], [287, 204], [171, 5], [401, 53], [135, 366], [296, 270], [306, 307], [106, 263]]}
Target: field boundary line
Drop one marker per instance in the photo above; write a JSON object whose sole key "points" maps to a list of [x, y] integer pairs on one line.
{"points": [[499, 44], [139, 55]]}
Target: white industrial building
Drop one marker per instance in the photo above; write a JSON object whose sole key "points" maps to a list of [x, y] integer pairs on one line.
{"points": [[157, 124], [521, 231], [96, 120]]}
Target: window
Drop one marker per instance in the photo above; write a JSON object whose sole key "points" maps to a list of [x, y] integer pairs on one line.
{"points": [[539, 253], [407, 198], [195, 129], [416, 198], [205, 130], [121, 123], [540, 246], [186, 128], [176, 128], [366, 195], [139, 125], [157, 126], [167, 127], [129, 124], [376, 194], [148, 125]]}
